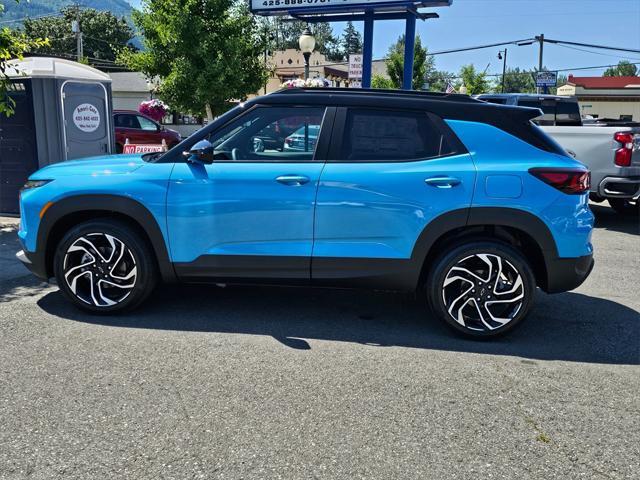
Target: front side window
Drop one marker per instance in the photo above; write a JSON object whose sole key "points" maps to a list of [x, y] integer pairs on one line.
{"points": [[146, 124], [270, 134], [390, 136]]}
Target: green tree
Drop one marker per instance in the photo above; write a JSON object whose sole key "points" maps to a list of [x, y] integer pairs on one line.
{"points": [[104, 34], [623, 69], [378, 81], [351, 40], [205, 52], [475, 82], [288, 33], [12, 45], [423, 64], [516, 81], [438, 80]]}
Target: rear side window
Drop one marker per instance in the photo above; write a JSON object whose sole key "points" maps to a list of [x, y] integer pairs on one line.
{"points": [[126, 121], [373, 135]]}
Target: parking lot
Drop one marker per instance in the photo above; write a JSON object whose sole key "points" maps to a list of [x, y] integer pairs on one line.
{"points": [[239, 382]]}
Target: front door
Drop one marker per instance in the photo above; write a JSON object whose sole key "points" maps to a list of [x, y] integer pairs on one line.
{"points": [[87, 120], [249, 214], [389, 174]]}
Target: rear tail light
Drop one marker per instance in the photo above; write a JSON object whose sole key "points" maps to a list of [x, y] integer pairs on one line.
{"points": [[628, 144], [572, 181]]}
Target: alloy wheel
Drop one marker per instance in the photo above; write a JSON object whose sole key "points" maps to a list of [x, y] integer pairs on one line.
{"points": [[100, 269], [483, 292]]}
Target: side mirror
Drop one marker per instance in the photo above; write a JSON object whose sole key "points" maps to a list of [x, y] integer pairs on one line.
{"points": [[200, 152]]}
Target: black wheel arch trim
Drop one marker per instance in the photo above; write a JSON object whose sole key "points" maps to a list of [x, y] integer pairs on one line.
{"points": [[495, 217], [109, 204]]}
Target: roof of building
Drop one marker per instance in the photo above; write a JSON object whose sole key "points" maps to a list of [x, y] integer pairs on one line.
{"points": [[50, 67], [605, 82], [129, 82]]}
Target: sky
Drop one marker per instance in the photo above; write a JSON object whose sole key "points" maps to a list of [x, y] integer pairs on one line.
{"points": [[475, 22]]}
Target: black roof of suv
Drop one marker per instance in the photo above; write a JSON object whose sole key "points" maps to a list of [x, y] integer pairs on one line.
{"points": [[511, 119]]}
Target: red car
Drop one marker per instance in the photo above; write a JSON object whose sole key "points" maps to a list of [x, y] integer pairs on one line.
{"points": [[140, 129]]}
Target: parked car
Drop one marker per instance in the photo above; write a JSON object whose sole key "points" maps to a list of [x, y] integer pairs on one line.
{"points": [[467, 201], [140, 129], [303, 139], [610, 148]]}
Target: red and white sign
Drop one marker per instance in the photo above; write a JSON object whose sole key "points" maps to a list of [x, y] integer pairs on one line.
{"points": [[138, 148]]}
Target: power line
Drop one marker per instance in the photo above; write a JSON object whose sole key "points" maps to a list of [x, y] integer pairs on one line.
{"points": [[591, 45], [479, 47], [595, 53]]}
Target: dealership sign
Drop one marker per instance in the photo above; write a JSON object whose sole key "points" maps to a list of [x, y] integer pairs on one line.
{"points": [[269, 7], [546, 79]]}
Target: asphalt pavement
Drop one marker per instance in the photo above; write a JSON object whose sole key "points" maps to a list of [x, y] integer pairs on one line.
{"points": [[252, 383]]}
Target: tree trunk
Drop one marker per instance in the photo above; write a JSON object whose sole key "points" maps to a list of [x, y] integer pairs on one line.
{"points": [[209, 113]]}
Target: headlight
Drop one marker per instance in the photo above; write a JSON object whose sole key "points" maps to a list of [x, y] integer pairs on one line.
{"points": [[34, 184]]}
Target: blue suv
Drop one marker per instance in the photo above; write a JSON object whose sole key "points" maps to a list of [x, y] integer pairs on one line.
{"points": [[464, 200]]}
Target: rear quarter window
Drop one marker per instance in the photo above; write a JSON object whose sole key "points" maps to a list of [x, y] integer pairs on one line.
{"points": [[376, 135]]}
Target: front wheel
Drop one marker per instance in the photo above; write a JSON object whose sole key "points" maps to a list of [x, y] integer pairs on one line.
{"points": [[481, 288], [625, 206], [104, 266]]}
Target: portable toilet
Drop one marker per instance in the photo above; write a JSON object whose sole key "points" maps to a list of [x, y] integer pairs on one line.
{"points": [[63, 111]]}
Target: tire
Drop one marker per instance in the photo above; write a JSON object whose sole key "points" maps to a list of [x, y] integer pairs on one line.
{"points": [[86, 258], [625, 206], [461, 275]]}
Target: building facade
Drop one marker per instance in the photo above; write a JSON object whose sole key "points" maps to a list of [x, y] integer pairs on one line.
{"points": [[288, 64], [615, 98]]}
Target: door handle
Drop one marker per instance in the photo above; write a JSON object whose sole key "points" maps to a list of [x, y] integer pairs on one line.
{"points": [[292, 180], [443, 182]]}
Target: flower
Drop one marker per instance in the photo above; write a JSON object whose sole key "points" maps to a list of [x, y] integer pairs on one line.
{"points": [[155, 109], [309, 83]]}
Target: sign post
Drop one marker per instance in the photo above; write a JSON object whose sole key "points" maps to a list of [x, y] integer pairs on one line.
{"points": [[316, 11]]}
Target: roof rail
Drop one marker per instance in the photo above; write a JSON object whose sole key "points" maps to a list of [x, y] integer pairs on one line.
{"points": [[380, 91]]}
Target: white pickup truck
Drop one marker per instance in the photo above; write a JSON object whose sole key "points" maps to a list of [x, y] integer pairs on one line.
{"points": [[611, 149]]}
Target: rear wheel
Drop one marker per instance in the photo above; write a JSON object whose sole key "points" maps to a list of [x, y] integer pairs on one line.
{"points": [[481, 288], [103, 266], [625, 206]]}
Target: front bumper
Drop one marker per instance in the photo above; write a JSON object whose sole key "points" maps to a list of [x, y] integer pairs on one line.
{"points": [[35, 263], [564, 274], [619, 187]]}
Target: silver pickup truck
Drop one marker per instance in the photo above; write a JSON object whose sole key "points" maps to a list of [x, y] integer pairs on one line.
{"points": [[611, 149]]}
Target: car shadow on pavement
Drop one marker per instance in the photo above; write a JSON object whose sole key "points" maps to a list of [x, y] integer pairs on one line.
{"points": [[609, 219], [568, 326]]}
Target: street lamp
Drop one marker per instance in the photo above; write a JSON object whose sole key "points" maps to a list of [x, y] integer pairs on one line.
{"points": [[307, 43], [504, 64]]}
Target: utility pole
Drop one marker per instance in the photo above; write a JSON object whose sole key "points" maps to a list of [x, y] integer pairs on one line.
{"points": [[540, 39], [75, 28]]}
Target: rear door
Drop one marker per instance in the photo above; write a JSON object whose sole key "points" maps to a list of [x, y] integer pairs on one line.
{"points": [[86, 119], [389, 173]]}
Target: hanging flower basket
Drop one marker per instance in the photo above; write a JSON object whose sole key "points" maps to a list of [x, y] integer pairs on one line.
{"points": [[310, 83], [155, 109]]}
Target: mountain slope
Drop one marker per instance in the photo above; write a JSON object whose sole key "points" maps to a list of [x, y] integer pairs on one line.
{"points": [[15, 12]]}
